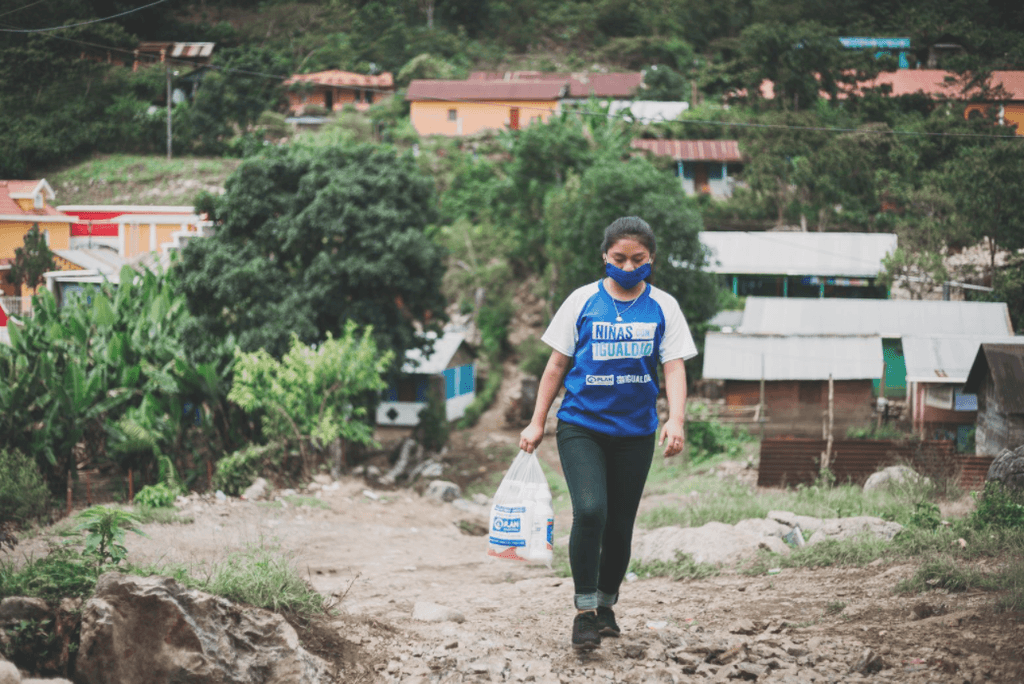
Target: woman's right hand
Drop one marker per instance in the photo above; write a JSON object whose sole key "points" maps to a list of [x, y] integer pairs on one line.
{"points": [[530, 438]]}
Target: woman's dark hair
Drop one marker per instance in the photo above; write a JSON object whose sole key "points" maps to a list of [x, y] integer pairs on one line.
{"points": [[628, 227]]}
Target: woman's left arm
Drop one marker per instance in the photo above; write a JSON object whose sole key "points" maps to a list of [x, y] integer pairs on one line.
{"points": [[675, 389]]}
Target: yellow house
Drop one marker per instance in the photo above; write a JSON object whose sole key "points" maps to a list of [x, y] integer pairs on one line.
{"points": [[132, 229], [24, 203], [455, 108]]}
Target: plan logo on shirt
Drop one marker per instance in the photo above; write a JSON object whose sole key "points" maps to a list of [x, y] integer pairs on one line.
{"points": [[622, 340], [600, 380]]}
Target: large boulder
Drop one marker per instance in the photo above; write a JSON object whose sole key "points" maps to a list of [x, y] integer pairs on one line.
{"points": [[152, 629], [893, 476], [1008, 468]]}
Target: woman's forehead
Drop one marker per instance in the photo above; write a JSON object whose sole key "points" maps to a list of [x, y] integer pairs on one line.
{"points": [[628, 245]]}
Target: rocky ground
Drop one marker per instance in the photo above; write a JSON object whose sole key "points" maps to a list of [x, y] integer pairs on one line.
{"points": [[418, 600]]}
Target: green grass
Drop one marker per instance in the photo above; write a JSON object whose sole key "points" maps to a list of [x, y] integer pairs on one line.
{"points": [[137, 179], [161, 515], [683, 567], [298, 500]]}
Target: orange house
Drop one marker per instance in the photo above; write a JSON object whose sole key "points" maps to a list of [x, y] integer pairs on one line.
{"points": [[455, 108], [24, 203], [334, 89], [131, 229]]}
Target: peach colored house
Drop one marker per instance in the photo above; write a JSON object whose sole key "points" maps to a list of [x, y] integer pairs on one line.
{"points": [[334, 89], [24, 203], [1007, 87], [132, 229], [455, 108]]}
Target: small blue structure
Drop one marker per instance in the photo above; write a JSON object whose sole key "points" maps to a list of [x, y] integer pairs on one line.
{"points": [[883, 46]]}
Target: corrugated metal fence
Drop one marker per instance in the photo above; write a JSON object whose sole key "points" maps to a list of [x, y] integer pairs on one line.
{"points": [[793, 461]]}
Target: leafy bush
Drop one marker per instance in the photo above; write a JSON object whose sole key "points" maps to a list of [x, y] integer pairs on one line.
{"points": [[156, 496], [534, 356], [23, 492], [484, 398], [63, 573], [105, 531], [999, 506], [236, 471]]}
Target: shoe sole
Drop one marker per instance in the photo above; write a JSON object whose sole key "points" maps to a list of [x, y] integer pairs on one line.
{"points": [[609, 632], [589, 646]]}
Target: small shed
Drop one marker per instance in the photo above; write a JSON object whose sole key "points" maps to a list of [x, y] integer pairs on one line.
{"points": [[449, 370], [796, 370], [937, 367], [793, 264], [997, 378], [702, 166]]}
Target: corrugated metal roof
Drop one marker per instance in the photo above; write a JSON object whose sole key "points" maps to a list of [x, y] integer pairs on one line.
{"points": [[1004, 363], [581, 84], [729, 356], [857, 255], [444, 349], [459, 91], [106, 261], [945, 359], [192, 49], [726, 319], [692, 150], [336, 77], [885, 317]]}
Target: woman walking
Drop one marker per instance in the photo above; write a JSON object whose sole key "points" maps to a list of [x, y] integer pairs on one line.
{"points": [[608, 338]]}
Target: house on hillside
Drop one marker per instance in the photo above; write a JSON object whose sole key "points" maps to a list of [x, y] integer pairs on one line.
{"points": [[449, 371], [997, 378], [456, 108], [580, 86], [937, 368], [890, 319], [704, 167], [792, 264], [795, 371], [133, 229], [334, 89]]}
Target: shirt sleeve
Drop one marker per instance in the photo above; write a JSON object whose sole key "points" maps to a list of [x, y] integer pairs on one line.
{"points": [[562, 333], [677, 342]]}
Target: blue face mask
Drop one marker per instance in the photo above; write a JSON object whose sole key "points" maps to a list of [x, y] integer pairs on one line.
{"points": [[628, 279]]}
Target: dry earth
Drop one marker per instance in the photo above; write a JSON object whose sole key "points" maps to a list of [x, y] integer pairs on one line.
{"points": [[380, 554]]}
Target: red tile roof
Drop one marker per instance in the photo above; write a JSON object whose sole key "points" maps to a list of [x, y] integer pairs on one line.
{"points": [[336, 77], [616, 85], [479, 90], [927, 81], [692, 150], [11, 188]]}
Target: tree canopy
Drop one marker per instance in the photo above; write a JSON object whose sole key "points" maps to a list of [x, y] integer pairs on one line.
{"points": [[308, 238]]}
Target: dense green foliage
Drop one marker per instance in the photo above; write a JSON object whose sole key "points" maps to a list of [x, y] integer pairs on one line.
{"points": [[311, 237], [108, 376], [23, 493]]}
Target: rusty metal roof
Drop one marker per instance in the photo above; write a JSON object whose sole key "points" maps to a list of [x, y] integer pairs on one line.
{"points": [[581, 84], [336, 77], [692, 150], [490, 91], [1004, 363]]}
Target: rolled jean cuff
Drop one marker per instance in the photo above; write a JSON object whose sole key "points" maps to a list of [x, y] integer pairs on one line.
{"points": [[606, 600], [585, 601]]}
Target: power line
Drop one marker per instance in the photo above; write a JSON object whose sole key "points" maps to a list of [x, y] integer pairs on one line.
{"points": [[31, 4], [81, 23]]}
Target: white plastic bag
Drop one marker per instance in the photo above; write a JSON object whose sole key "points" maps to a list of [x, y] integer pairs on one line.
{"points": [[522, 521]]}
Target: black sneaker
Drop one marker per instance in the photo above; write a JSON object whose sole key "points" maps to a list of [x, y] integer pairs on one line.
{"points": [[606, 625], [584, 631]]}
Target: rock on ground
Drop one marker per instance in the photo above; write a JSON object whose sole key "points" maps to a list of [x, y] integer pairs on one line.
{"points": [[1008, 468], [154, 630], [894, 475]]}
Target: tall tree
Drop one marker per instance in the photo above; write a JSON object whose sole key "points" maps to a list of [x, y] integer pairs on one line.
{"points": [[310, 237], [31, 261]]}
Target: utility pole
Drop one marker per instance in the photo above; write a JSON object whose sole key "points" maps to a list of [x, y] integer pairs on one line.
{"points": [[167, 68]]}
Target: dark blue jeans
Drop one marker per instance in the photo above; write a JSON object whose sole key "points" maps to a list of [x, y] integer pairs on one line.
{"points": [[605, 475]]}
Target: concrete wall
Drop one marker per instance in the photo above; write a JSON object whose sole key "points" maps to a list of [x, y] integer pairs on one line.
{"points": [[433, 118]]}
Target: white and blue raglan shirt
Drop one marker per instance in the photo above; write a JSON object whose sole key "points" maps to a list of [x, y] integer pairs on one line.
{"points": [[612, 386]]}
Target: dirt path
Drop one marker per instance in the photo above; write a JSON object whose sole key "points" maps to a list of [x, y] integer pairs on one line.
{"points": [[379, 555]]}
